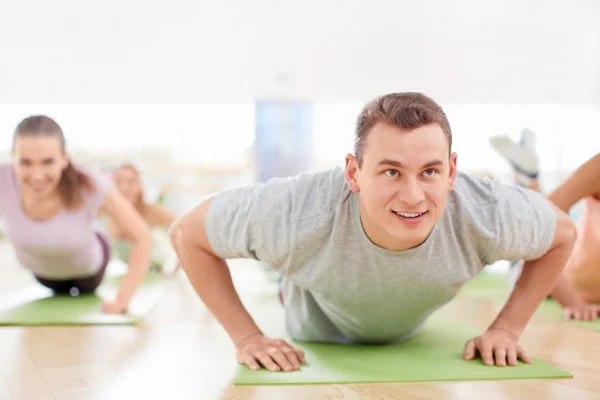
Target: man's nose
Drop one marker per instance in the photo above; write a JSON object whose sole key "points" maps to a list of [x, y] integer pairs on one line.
{"points": [[412, 193]]}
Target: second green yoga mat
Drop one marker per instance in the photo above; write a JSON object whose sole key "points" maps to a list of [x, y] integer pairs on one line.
{"points": [[36, 306], [434, 355], [494, 286]]}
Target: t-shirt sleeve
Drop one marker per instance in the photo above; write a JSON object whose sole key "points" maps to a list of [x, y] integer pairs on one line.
{"points": [[253, 221], [522, 222], [4, 183], [102, 184], [4, 188]]}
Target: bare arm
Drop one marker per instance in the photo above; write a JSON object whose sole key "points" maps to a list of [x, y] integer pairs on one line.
{"points": [[136, 230], [112, 229], [160, 216], [209, 274], [583, 182], [537, 279]]}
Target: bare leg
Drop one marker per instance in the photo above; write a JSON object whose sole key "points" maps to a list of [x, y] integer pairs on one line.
{"points": [[585, 181]]}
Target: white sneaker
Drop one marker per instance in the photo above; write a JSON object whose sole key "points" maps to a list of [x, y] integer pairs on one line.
{"points": [[528, 139], [522, 158]]}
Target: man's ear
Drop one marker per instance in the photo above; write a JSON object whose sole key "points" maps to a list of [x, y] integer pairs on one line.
{"points": [[453, 171], [352, 170]]}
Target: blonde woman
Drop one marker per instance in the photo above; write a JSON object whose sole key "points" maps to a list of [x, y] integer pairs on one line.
{"points": [[158, 218]]}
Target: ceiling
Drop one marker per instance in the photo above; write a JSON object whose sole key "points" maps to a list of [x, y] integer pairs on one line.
{"points": [[462, 51]]}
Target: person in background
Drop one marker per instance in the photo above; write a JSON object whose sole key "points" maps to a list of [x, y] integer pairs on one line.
{"points": [[157, 217], [49, 206], [578, 288]]}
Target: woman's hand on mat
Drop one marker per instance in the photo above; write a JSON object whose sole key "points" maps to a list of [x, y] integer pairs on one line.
{"points": [[582, 311], [496, 347], [114, 307], [273, 354]]}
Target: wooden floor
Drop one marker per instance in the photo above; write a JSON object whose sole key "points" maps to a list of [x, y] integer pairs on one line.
{"points": [[179, 352]]}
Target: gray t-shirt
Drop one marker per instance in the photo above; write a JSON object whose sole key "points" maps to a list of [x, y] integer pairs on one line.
{"points": [[337, 284]]}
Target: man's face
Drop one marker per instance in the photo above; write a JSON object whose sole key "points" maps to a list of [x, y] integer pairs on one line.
{"points": [[404, 182]]}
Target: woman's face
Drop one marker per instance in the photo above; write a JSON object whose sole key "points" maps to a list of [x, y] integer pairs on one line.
{"points": [[128, 183], [39, 163]]}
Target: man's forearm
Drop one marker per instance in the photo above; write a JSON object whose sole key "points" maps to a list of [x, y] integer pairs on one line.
{"points": [[212, 281], [534, 284]]}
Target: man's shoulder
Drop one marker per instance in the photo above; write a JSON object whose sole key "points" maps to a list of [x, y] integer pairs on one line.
{"points": [[332, 177], [327, 185], [303, 195], [472, 191], [476, 201], [274, 219], [481, 203]]}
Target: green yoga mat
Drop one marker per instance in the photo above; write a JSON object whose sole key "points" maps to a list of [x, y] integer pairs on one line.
{"points": [[37, 306], [434, 355], [495, 287]]}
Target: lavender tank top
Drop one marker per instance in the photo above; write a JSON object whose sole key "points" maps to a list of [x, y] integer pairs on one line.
{"points": [[63, 247]]}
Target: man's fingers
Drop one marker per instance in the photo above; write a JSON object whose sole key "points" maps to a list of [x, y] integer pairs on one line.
{"points": [[250, 362], [469, 352], [274, 355], [511, 357], [300, 354], [266, 361], [522, 354], [280, 358], [292, 357], [500, 355], [485, 351]]}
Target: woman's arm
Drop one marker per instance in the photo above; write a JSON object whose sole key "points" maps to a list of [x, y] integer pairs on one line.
{"points": [[157, 215], [160, 216], [134, 228], [112, 230]]}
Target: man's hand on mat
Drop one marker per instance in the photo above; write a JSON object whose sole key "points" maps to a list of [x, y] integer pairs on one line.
{"points": [[114, 307], [496, 347], [582, 312], [273, 354]]}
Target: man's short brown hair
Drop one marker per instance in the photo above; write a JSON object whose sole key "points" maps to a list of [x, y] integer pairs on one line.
{"points": [[405, 110]]}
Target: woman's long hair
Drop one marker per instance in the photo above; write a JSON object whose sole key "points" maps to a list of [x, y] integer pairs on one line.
{"points": [[139, 204]]}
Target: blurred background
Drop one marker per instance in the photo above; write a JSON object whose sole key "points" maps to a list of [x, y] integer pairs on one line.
{"points": [[204, 95]]}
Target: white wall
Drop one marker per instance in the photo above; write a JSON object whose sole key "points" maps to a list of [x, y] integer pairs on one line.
{"points": [[329, 50], [207, 133]]}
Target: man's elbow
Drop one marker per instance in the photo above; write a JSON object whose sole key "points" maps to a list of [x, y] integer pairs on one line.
{"points": [[178, 231], [566, 231]]}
